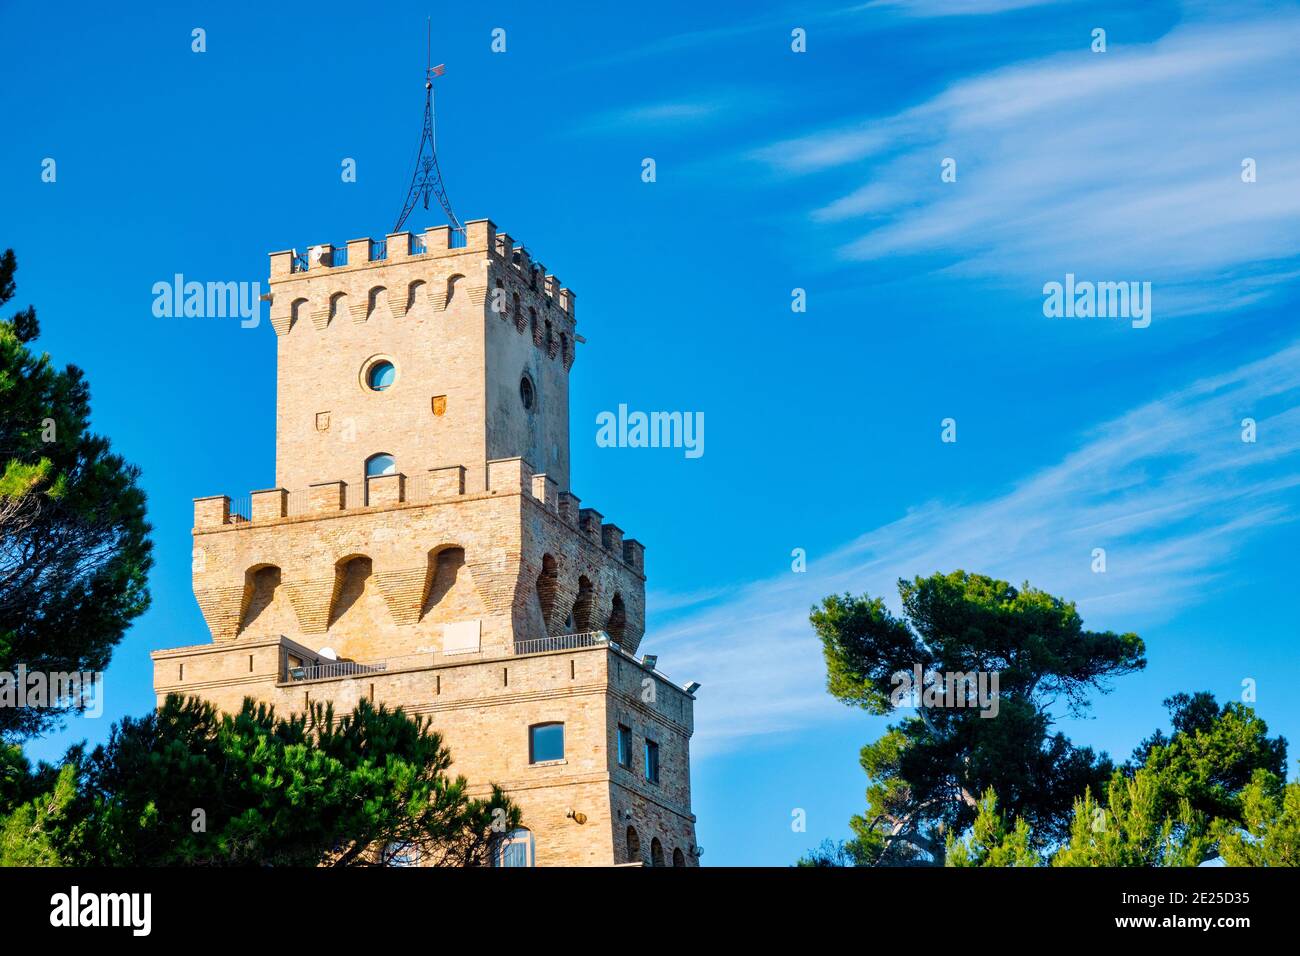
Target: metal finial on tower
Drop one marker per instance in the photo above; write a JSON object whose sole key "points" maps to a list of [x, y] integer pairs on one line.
{"points": [[427, 179]]}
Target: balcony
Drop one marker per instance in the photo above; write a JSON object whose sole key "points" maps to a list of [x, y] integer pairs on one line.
{"points": [[563, 642], [333, 670]]}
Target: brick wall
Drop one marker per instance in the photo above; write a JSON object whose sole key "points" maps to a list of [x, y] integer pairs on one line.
{"points": [[484, 706]]}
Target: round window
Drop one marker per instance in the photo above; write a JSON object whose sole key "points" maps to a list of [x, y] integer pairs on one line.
{"points": [[526, 392], [380, 376]]}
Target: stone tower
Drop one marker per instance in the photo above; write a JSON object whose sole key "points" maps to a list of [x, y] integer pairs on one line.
{"points": [[423, 547]]}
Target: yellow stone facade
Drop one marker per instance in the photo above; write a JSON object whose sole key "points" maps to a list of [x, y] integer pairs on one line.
{"points": [[463, 583]]}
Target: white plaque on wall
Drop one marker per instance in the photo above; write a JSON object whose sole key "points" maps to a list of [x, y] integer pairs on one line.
{"points": [[462, 637]]}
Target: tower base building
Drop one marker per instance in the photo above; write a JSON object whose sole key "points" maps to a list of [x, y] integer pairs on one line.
{"points": [[422, 547]]}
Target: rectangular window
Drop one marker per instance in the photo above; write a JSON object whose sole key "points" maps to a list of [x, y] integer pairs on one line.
{"points": [[545, 742], [625, 747], [651, 761]]}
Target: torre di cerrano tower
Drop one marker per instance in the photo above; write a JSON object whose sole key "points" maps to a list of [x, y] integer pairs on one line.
{"points": [[422, 547]]}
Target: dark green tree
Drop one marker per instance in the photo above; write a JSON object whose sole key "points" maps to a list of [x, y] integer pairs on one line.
{"points": [[832, 853], [187, 785], [1212, 787], [926, 772], [991, 842], [1212, 755], [74, 545], [1268, 833]]}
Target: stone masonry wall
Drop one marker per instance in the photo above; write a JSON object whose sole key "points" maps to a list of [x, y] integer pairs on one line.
{"points": [[483, 706]]}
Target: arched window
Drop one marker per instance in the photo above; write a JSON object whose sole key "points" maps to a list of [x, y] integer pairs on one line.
{"points": [[381, 464], [582, 606], [451, 288], [617, 620], [413, 294], [679, 858], [267, 607], [351, 576], [656, 852], [633, 846], [547, 582], [338, 302], [378, 297], [516, 849], [400, 854]]}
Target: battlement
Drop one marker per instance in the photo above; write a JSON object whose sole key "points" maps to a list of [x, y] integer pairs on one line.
{"points": [[479, 239], [508, 476]]}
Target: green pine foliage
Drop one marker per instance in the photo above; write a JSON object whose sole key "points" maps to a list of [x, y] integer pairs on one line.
{"points": [[187, 785], [1212, 788], [74, 542], [927, 769]]}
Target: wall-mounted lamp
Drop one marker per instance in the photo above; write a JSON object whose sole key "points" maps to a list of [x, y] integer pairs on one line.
{"points": [[577, 816]]}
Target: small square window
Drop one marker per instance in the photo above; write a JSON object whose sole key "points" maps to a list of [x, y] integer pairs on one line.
{"points": [[651, 761], [625, 747], [545, 743]]}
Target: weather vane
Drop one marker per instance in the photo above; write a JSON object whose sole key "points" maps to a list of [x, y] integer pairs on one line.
{"points": [[427, 178]]}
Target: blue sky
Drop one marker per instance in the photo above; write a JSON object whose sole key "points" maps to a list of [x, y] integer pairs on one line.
{"points": [[775, 170]]}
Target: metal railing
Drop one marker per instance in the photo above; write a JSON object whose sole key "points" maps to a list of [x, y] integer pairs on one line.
{"points": [[541, 645], [355, 495], [301, 262], [338, 256], [297, 503], [419, 489], [378, 250], [417, 247], [335, 669], [457, 238], [241, 509], [562, 642]]}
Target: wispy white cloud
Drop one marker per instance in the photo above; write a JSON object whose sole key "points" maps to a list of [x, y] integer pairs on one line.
{"points": [[1169, 489], [668, 114], [777, 24], [953, 8], [1118, 165]]}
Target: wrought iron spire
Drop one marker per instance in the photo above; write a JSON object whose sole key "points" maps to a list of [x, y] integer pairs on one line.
{"points": [[427, 179]]}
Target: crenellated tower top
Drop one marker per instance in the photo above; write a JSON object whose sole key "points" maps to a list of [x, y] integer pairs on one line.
{"points": [[421, 350]]}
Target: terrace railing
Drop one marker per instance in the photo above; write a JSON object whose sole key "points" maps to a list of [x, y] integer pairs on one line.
{"points": [[335, 669], [561, 642], [327, 670]]}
